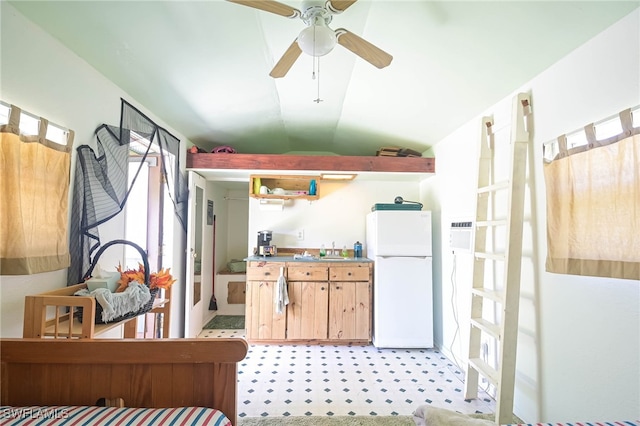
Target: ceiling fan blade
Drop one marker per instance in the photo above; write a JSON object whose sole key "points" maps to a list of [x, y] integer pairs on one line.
{"points": [[270, 6], [367, 51], [286, 62], [340, 5]]}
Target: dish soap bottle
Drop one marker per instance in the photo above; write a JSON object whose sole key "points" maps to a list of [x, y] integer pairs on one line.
{"points": [[323, 252], [345, 253]]}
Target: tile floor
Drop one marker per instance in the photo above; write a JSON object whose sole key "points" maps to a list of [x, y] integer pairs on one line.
{"points": [[327, 380]]}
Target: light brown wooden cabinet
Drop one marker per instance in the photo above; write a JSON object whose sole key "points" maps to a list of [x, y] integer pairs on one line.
{"points": [[262, 321], [307, 314], [350, 302], [328, 301]]}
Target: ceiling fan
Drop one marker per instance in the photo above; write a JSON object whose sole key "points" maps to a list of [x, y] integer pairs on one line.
{"points": [[317, 39]]}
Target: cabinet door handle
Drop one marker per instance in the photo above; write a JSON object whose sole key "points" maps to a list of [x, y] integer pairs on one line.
{"points": [[348, 274], [308, 273], [337, 287], [267, 273], [322, 288]]}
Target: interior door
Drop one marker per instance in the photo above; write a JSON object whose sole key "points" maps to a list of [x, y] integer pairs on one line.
{"points": [[194, 305]]}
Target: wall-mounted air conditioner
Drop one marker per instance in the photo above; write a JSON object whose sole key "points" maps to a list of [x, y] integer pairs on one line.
{"points": [[461, 236]]}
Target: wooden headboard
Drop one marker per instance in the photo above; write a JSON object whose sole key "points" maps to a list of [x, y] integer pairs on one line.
{"points": [[145, 373]]}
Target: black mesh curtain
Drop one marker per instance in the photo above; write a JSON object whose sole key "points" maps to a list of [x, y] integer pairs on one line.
{"points": [[101, 183]]}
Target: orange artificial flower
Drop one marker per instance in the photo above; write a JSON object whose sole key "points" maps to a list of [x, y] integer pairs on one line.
{"points": [[160, 279]]}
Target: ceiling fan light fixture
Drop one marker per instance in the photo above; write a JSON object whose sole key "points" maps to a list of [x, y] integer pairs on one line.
{"points": [[317, 40]]}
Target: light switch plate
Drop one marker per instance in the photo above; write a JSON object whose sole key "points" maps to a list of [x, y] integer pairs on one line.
{"points": [[300, 234]]}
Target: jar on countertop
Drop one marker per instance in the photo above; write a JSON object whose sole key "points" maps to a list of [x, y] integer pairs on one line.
{"points": [[357, 250]]}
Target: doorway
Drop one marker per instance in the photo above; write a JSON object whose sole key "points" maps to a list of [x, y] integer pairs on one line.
{"points": [[146, 217]]}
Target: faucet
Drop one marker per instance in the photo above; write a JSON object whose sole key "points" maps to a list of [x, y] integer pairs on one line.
{"points": [[333, 248]]}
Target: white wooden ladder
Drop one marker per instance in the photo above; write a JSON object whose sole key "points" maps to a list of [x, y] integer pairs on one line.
{"points": [[505, 294]]}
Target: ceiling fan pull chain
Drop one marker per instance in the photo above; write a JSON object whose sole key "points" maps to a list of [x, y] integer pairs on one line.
{"points": [[313, 72], [314, 39]]}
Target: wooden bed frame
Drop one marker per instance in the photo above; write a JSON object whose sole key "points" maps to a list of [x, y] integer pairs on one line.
{"points": [[145, 373]]}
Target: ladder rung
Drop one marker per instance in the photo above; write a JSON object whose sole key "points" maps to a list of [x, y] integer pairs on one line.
{"points": [[495, 187], [485, 370], [486, 223], [490, 256], [494, 295], [487, 326]]}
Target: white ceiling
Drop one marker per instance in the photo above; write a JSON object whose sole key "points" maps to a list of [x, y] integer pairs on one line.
{"points": [[202, 66]]}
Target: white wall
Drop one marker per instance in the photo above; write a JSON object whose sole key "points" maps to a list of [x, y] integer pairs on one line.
{"points": [[339, 214], [238, 223], [579, 337], [43, 77]]}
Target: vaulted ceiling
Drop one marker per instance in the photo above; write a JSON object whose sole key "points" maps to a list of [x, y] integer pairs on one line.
{"points": [[203, 66]]}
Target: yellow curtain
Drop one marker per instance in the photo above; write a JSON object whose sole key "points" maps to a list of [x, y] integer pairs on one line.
{"points": [[34, 180], [593, 209]]}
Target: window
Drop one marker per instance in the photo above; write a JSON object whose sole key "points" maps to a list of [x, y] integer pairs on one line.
{"points": [[35, 170], [593, 207], [30, 126]]}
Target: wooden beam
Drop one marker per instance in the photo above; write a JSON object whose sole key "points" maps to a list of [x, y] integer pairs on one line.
{"points": [[311, 162]]}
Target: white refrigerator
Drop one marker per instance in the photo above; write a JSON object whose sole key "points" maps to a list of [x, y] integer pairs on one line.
{"points": [[399, 242]]}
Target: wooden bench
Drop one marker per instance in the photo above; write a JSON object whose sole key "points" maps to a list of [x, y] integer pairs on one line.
{"points": [[52, 314]]}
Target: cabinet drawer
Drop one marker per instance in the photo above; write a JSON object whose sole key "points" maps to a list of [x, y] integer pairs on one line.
{"points": [[266, 272], [349, 273], [307, 273]]}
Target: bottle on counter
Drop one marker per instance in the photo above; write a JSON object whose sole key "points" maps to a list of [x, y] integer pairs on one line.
{"points": [[257, 183], [323, 252], [345, 253], [357, 250]]}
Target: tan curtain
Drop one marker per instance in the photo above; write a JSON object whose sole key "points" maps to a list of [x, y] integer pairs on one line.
{"points": [[34, 180], [593, 206]]}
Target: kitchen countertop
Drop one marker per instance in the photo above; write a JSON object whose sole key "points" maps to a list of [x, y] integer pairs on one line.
{"points": [[305, 259]]}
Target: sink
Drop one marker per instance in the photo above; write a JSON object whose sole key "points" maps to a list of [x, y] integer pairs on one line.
{"points": [[333, 257]]}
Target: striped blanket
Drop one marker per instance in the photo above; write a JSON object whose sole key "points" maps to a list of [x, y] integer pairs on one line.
{"points": [[112, 416]]}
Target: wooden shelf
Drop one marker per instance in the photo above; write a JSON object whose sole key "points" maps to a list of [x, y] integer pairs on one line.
{"points": [[295, 187], [311, 163]]}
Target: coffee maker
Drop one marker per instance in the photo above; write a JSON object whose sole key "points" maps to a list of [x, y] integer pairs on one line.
{"points": [[265, 248]]}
